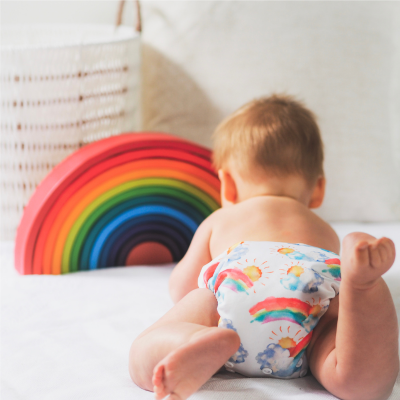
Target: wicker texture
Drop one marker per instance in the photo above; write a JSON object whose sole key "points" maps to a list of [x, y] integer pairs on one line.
{"points": [[61, 87]]}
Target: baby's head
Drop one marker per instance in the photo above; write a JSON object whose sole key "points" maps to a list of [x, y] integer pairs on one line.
{"points": [[270, 146]]}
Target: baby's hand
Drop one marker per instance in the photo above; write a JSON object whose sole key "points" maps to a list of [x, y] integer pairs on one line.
{"points": [[365, 259]]}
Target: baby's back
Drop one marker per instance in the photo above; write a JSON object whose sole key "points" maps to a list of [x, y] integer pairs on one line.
{"points": [[273, 219]]}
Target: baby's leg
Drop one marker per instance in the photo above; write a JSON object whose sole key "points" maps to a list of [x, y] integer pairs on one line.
{"points": [[359, 359], [182, 350]]}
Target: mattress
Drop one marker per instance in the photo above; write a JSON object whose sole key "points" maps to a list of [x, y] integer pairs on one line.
{"points": [[68, 336]]}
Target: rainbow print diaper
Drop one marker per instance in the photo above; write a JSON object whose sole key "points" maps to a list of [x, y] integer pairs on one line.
{"points": [[273, 295]]}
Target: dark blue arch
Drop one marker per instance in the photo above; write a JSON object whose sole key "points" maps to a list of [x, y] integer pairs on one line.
{"points": [[105, 219], [103, 243], [176, 242]]}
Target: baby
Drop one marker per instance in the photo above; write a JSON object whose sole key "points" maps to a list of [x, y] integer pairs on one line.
{"points": [[257, 291]]}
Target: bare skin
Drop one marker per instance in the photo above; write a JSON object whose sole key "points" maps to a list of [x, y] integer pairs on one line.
{"points": [[184, 370], [355, 355], [181, 351], [262, 218]]}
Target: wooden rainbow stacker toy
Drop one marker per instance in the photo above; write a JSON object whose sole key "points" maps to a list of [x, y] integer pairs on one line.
{"points": [[135, 198]]}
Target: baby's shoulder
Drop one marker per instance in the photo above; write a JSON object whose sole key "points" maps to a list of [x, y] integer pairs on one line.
{"points": [[216, 216]]}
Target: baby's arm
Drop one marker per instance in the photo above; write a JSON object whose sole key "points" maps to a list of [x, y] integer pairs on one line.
{"points": [[354, 350], [184, 276]]}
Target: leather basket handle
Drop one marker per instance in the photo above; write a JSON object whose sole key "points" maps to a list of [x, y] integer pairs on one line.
{"points": [[121, 4]]}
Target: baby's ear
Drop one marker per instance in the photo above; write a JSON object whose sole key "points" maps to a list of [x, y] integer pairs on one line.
{"points": [[318, 194], [228, 188]]}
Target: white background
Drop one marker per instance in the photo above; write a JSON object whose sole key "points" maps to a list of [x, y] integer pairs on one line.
{"points": [[44, 12]]}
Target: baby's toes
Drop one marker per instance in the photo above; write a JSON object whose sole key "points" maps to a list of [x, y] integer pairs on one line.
{"points": [[159, 393], [387, 250], [174, 396], [382, 253], [361, 253], [158, 382], [374, 254]]}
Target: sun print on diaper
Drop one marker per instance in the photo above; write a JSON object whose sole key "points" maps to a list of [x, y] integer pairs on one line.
{"points": [[239, 278], [241, 354], [302, 279], [256, 270], [253, 272]]}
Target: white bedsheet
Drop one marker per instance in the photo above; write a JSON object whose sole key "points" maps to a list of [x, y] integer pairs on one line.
{"points": [[68, 337]]}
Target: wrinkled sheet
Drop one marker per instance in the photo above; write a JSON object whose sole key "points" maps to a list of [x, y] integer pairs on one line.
{"points": [[67, 337]]}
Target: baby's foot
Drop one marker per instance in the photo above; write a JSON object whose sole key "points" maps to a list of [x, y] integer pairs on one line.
{"points": [[187, 368], [366, 259]]}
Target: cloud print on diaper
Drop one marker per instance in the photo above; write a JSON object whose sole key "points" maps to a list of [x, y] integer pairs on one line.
{"points": [[277, 361], [318, 254], [284, 358], [241, 354], [237, 251], [294, 255], [311, 256], [302, 279], [275, 358]]}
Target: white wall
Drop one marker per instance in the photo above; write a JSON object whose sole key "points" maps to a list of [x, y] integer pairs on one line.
{"points": [[64, 12], [202, 59]]}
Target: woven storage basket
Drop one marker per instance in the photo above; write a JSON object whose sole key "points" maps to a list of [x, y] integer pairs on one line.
{"points": [[61, 87]]}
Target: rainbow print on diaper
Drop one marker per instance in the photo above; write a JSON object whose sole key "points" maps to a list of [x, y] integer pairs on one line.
{"points": [[333, 265], [281, 308], [233, 279], [115, 202], [289, 309], [284, 357]]}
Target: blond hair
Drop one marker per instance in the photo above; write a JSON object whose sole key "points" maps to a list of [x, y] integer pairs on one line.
{"points": [[277, 133]]}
